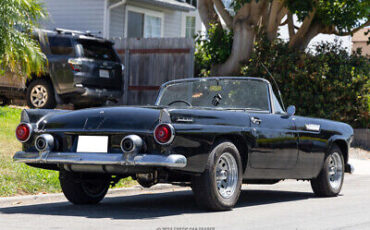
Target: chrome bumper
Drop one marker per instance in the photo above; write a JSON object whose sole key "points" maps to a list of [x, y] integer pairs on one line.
{"points": [[171, 161]]}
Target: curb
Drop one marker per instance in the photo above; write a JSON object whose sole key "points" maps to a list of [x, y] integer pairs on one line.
{"points": [[29, 199]]}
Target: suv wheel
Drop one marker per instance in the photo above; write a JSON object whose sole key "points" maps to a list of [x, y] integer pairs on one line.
{"points": [[40, 95], [84, 188]]}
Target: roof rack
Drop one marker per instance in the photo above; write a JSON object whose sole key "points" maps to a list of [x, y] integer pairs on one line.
{"points": [[75, 32]]}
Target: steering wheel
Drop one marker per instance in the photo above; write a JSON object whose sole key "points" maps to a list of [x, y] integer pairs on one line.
{"points": [[179, 101]]}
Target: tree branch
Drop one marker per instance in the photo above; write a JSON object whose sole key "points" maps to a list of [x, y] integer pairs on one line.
{"points": [[303, 29], [277, 12], [225, 15], [284, 22], [290, 25], [207, 13], [333, 30]]}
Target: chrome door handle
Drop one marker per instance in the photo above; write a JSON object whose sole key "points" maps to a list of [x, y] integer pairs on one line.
{"points": [[256, 120]]}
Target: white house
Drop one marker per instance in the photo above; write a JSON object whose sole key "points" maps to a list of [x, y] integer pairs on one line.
{"points": [[125, 18]]}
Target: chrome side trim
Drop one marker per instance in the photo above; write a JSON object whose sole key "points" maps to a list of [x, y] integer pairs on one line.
{"points": [[171, 161]]}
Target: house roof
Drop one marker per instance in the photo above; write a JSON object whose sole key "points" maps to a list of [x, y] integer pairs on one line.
{"points": [[360, 36], [170, 4]]}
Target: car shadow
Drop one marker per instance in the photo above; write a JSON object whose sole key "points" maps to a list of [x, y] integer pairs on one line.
{"points": [[147, 206]]}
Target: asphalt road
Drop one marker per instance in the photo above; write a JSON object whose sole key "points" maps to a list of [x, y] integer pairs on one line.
{"points": [[286, 205]]}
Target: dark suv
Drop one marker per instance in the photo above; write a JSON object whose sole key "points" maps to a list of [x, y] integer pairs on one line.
{"points": [[83, 70]]}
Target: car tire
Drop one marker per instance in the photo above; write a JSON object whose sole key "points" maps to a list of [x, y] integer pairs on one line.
{"points": [[40, 95], [218, 187], [84, 188], [330, 180]]}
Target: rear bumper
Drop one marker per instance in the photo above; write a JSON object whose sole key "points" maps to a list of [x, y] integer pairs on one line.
{"points": [[170, 161], [99, 93]]}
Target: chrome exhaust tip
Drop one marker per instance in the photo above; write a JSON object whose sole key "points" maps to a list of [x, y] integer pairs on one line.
{"points": [[44, 142], [132, 144]]}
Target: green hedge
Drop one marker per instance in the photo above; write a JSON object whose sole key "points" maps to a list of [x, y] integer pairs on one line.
{"points": [[325, 82]]}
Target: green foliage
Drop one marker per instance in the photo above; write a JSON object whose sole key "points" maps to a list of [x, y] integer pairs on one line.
{"points": [[343, 14], [213, 48], [20, 53], [326, 83]]}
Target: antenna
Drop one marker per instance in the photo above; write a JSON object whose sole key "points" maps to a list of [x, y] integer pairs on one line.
{"points": [[277, 87]]}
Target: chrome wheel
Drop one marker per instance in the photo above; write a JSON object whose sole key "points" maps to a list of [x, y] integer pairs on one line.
{"points": [[39, 96], [335, 170], [226, 175]]}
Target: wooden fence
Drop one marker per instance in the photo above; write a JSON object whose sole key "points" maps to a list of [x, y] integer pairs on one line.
{"points": [[150, 62]]}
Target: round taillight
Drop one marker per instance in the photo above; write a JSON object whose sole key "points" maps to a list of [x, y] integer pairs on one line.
{"points": [[23, 132], [164, 133]]}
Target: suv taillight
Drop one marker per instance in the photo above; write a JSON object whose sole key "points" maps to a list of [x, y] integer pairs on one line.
{"points": [[164, 134], [23, 132], [75, 64]]}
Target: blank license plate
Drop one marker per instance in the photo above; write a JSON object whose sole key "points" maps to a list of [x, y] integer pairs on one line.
{"points": [[92, 144], [104, 73]]}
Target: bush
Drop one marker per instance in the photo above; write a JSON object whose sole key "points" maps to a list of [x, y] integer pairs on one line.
{"points": [[325, 82], [213, 48]]}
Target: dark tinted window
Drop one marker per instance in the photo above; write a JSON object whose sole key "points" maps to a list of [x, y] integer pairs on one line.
{"points": [[61, 46], [98, 50], [135, 28]]}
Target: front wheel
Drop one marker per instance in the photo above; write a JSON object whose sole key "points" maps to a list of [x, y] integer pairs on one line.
{"points": [[84, 188], [218, 187], [330, 180]]}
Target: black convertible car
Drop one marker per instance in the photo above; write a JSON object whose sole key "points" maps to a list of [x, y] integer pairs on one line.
{"points": [[212, 134]]}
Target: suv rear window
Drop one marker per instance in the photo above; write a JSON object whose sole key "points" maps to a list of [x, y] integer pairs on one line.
{"points": [[98, 50], [61, 45]]}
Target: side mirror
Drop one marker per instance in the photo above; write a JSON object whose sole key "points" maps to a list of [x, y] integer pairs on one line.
{"points": [[290, 110]]}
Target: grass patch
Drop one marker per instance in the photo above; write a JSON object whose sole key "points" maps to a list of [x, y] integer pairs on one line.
{"points": [[18, 178]]}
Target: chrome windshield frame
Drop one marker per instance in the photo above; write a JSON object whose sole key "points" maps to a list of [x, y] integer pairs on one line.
{"points": [[269, 87]]}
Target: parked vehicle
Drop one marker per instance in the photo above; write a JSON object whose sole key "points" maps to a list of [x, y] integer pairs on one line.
{"points": [[82, 69], [212, 134]]}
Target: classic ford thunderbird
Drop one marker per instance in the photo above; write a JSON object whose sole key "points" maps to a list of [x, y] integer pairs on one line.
{"points": [[212, 134]]}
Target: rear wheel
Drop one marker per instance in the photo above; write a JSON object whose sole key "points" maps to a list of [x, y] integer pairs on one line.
{"points": [[40, 95], [84, 188], [218, 187], [330, 180]]}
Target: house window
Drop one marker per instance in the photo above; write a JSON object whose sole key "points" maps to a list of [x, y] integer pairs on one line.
{"points": [[135, 25], [152, 26], [190, 27], [141, 25]]}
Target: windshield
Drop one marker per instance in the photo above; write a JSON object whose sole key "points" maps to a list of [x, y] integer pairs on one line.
{"points": [[217, 93], [98, 50]]}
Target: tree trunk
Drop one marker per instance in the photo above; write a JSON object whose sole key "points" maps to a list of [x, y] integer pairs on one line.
{"points": [[302, 43], [207, 13], [242, 48]]}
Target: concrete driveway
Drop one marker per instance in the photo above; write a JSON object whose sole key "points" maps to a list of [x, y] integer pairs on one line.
{"points": [[286, 205]]}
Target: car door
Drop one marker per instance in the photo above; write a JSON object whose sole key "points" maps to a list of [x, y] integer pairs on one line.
{"points": [[276, 140]]}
